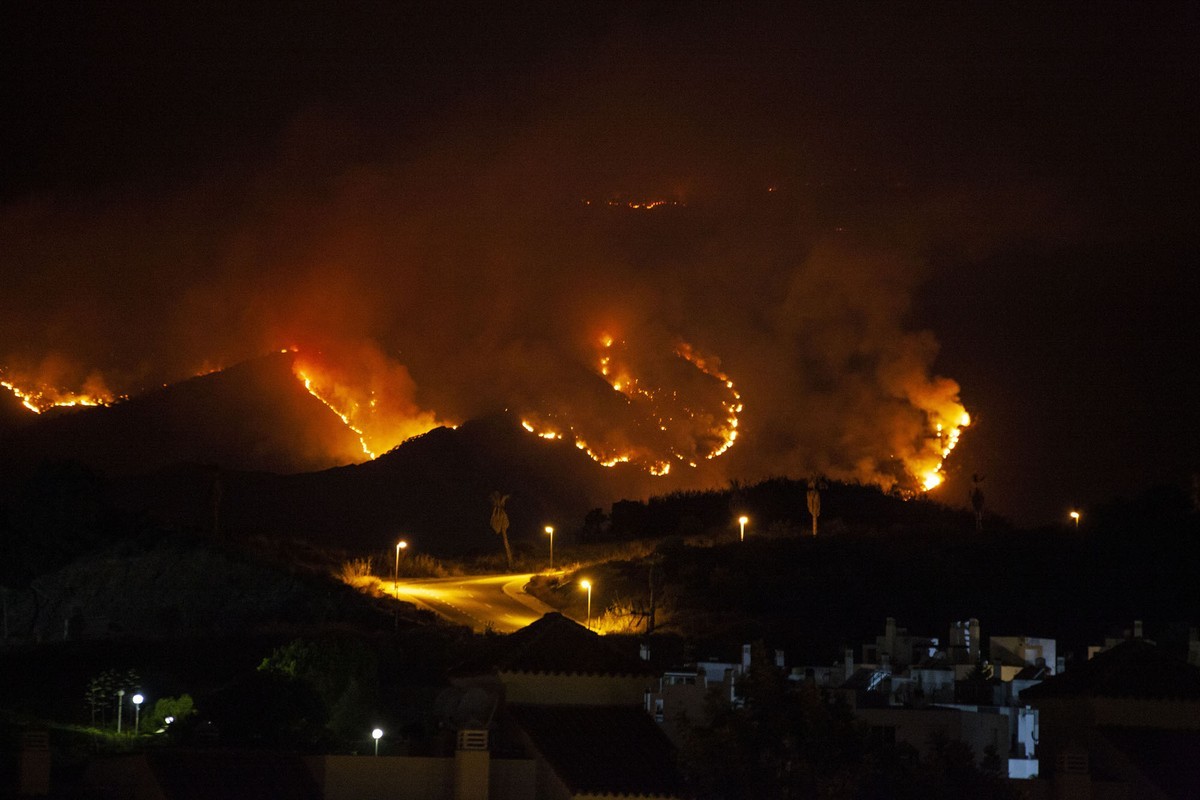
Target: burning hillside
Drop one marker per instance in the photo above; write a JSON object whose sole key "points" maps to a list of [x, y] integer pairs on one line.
{"points": [[759, 316], [677, 411], [665, 410], [254, 415]]}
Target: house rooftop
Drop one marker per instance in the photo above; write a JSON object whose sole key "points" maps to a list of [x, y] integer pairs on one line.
{"points": [[553, 645], [603, 750], [1166, 758], [1135, 668]]}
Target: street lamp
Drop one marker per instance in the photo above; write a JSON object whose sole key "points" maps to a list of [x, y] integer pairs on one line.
{"points": [[377, 734], [550, 533], [400, 545], [138, 699], [1075, 516], [120, 706], [742, 520], [588, 585]]}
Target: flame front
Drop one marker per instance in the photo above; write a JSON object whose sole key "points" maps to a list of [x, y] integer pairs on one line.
{"points": [[945, 439], [370, 394], [45, 398], [674, 408], [345, 418]]}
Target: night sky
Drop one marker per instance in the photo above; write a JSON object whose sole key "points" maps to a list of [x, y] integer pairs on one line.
{"points": [[866, 200]]}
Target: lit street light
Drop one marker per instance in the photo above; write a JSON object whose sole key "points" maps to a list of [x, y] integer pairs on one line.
{"points": [[550, 533], [138, 699], [400, 545], [588, 585], [120, 706], [377, 734], [742, 520], [1075, 516]]}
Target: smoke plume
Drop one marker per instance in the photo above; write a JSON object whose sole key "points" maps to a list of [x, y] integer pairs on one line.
{"points": [[642, 194]]}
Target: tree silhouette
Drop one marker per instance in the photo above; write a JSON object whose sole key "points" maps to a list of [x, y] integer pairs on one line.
{"points": [[976, 496], [500, 523], [814, 501]]}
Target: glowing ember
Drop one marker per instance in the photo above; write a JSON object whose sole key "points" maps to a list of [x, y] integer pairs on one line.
{"points": [[45, 398], [638, 205], [683, 409]]}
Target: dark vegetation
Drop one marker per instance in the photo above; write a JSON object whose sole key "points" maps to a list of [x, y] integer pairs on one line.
{"points": [[879, 556], [275, 653]]}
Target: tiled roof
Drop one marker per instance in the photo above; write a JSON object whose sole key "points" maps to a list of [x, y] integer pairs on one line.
{"points": [[614, 750], [1134, 668], [554, 645], [232, 775]]}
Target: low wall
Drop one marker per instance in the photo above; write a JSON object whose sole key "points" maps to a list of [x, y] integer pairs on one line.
{"points": [[416, 778]]}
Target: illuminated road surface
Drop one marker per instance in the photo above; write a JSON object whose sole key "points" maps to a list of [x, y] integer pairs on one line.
{"points": [[498, 601]]}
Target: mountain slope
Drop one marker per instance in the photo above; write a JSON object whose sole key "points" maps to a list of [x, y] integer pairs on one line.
{"points": [[255, 416], [432, 490]]}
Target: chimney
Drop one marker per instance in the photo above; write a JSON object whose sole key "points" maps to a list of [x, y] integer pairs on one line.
{"points": [[745, 657], [849, 662], [472, 765], [779, 658]]}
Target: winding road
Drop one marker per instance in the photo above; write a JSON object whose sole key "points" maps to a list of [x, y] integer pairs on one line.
{"points": [[498, 602]]}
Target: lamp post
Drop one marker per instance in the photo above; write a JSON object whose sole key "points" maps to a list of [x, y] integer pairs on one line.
{"points": [[588, 585], [550, 533], [742, 520], [1075, 516], [377, 734], [137, 699], [120, 706], [400, 545]]}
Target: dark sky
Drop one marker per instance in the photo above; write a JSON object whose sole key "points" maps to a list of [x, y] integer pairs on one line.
{"points": [[1006, 199]]}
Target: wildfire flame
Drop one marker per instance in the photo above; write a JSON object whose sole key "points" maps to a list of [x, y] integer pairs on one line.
{"points": [[345, 418], [45, 398], [676, 426], [638, 205], [370, 394], [946, 436]]}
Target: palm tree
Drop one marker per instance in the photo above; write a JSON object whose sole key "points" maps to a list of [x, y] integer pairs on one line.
{"points": [[500, 523]]}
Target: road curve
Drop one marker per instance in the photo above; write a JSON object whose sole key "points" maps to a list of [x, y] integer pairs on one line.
{"points": [[481, 602]]}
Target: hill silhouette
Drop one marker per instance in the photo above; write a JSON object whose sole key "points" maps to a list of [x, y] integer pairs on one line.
{"points": [[254, 416], [432, 490], [12, 414]]}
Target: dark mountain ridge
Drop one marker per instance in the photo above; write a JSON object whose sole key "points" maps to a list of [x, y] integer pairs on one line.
{"points": [[433, 490], [255, 416]]}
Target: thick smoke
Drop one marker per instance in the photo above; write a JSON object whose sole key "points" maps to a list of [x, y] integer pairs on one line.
{"points": [[475, 267]]}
